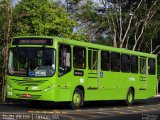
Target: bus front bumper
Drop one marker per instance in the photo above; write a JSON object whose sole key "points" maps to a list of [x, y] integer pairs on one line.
{"points": [[32, 95]]}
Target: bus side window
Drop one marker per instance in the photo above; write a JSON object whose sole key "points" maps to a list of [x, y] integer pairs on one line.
{"points": [[64, 59], [143, 66], [125, 63], [134, 64], [105, 60], [79, 57], [151, 66], [92, 59], [115, 62]]}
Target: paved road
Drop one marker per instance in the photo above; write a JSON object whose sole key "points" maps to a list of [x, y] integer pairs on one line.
{"points": [[141, 110]]}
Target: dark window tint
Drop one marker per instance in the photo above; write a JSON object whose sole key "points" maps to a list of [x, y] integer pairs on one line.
{"points": [[158, 59], [105, 60], [125, 63], [151, 66], [115, 61], [134, 64], [64, 59], [79, 57]]}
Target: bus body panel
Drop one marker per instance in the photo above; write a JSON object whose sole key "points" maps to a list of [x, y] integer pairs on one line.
{"points": [[97, 84]]}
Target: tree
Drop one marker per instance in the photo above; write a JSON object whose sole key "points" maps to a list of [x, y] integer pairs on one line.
{"points": [[119, 23], [41, 17], [5, 23], [89, 19], [152, 35], [128, 21]]}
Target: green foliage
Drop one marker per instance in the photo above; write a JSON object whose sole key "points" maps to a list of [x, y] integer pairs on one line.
{"points": [[3, 17], [103, 23], [85, 12], [41, 17]]}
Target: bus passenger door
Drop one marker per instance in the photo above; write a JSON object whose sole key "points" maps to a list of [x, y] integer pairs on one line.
{"points": [[143, 73], [92, 69]]}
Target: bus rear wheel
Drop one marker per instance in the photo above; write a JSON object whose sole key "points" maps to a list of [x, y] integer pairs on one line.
{"points": [[77, 99], [130, 97]]}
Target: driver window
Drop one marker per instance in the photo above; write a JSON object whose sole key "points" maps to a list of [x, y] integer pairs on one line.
{"points": [[64, 59]]}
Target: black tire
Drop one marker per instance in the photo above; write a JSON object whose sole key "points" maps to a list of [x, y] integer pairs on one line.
{"points": [[77, 99], [130, 97]]}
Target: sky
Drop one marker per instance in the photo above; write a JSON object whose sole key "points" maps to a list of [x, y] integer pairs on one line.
{"points": [[15, 1]]}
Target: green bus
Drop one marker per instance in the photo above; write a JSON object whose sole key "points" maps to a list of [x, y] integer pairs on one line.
{"points": [[62, 70], [158, 73]]}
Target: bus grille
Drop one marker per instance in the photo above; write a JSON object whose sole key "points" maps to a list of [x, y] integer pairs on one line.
{"points": [[28, 82], [33, 96]]}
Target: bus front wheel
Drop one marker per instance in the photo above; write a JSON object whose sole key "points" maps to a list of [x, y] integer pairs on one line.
{"points": [[77, 99], [130, 97]]}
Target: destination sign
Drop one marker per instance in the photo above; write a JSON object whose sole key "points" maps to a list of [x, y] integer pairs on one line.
{"points": [[32, 41]]}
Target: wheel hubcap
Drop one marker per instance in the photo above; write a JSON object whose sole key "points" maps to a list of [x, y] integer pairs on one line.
{"points": [[130, 97], [76, 99]]}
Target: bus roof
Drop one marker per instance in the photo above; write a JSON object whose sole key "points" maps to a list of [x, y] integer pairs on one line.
{"points": [[93, 45]]}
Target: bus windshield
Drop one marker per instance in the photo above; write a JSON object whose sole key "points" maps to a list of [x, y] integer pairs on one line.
{"points": [[31, 61]]}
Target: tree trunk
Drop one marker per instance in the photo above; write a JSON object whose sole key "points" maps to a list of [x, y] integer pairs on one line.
{"points": [[5, 46]]}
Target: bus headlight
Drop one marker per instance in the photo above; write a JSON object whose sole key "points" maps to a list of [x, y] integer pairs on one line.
{"points": [[9, 87], [48, 88]]}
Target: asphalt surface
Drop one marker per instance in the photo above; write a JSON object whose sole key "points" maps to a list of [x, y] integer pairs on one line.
{"points": [[108, 110]]}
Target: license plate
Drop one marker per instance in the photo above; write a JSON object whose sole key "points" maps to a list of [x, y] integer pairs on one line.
{"points": [[26, 95]]}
